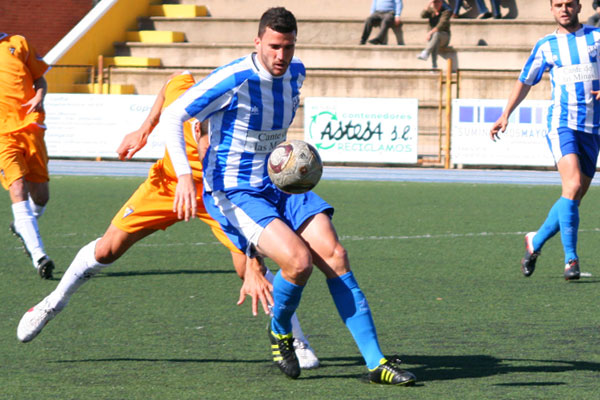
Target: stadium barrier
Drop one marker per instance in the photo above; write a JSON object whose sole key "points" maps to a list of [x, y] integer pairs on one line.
{"points": [[435, 91]]}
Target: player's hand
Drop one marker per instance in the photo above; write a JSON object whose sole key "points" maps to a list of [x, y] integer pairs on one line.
{"points": [[257, 286], [185, 204], [596, 94], [499, 126], [132, 143], [34, 104]]}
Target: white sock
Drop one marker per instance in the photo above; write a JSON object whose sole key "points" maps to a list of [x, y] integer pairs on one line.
{"points": [[296, 329], [82, 268], [37, 210], [26, 226]]}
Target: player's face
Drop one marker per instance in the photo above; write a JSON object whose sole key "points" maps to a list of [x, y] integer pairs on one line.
{"points": [[275, 50], [566, 13]]}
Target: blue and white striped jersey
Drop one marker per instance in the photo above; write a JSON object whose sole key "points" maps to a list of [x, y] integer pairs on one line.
{"points": [[249, 112], [573, 62]]}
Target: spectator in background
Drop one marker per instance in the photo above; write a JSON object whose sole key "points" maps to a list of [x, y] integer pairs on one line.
{"points": [[23, 155], [594, 20], [439, 14], [384, 14], [482, 11]]}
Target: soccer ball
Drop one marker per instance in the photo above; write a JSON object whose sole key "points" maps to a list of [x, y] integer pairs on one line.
{"points": [[295, 166]]}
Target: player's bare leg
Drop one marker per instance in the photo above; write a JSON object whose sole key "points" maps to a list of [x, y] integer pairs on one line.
{"points": [[94, 256], [332, 259], [304, 352], [278, 242], [574, 186]]}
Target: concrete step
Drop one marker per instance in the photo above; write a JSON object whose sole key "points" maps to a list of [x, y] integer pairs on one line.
{"points": [[524, 9], [348, 31], [419, 84], [320, 83], [326, 56]]}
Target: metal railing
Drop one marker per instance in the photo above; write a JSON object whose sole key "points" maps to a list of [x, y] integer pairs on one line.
{"points": [[435, 99]]}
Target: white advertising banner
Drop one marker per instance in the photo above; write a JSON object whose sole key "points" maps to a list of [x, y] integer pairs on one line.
{"points": [[93, 125], [522, 144], [365, 130]]}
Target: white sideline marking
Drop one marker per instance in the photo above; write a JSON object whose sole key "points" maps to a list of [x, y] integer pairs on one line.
{"points": [[342, 238], [445, 235]]}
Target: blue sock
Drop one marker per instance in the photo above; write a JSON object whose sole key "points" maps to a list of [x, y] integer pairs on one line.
{"points": [[568, 218], [548, 229], [356, 314], [287, 297]]}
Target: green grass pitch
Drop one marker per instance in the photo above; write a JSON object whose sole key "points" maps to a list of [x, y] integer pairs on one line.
{"points": [[439, 264]]}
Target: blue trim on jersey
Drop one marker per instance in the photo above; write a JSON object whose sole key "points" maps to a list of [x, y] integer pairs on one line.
{"points": [[249, 111], [278, 104], [296, 70], [256, 117], [529, 64], [214, 92], [229, 119], [579, 86], [572, 60], [595, 85]]}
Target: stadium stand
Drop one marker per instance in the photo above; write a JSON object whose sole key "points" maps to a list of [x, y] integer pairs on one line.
{"points": [[202, 34]]}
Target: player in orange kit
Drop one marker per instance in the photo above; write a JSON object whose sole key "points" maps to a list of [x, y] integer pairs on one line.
{"points": [[23, 156], [149, 209]]}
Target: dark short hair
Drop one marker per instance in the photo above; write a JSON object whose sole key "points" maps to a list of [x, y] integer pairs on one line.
{"points": [[279, 19], [553, 0]]}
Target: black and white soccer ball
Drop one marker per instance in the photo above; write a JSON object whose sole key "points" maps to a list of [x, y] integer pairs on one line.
{"points": [[295, 166]]}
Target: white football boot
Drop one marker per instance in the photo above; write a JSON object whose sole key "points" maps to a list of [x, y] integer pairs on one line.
{"points": [[34, 320], [305, 354]]}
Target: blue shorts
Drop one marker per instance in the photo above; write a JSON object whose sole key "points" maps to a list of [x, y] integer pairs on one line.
{"points": [[244, 213], [585, 145]]}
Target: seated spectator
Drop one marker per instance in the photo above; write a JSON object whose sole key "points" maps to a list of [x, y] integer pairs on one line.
{"points": [[594, 20], [386, 15], [439, 14], [482, 11]]}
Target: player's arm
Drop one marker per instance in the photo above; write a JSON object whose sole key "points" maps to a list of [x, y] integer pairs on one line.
{"points": [[518, 94], [171, 126], [252, 271], [136, 140], [36, 103]]}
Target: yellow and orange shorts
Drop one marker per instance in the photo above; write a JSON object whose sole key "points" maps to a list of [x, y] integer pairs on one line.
{"points": [[151, 207], [23, 154]]}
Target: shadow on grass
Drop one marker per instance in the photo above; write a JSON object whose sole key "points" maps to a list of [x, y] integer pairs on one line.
{"points": [[523, 384], [427, 368], [159, 272], [442, 368]]}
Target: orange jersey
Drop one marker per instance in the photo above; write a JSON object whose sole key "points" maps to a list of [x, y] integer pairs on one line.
{"points": [[175, 88], [20, 66]]}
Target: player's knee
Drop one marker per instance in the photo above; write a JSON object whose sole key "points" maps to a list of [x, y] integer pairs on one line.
{"points": [[41, 200], [300, 265], [572, 190], [103, 252], [339, 259]]}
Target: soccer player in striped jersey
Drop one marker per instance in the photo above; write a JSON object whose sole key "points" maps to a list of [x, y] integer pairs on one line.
{"points": [[570, 54], [249, 104], [149, 209], [23, 155]]}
